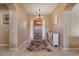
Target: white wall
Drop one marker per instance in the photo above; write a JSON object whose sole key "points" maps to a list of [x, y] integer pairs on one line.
{"points": [[12, 29], [71, 29], [71, 23]]}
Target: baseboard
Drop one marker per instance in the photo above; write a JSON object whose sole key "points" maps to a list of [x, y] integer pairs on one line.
{"points": [[16, 49], [70, 48], [4, 44], [22, 49]]}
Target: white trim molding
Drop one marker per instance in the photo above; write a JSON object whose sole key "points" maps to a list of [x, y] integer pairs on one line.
{"points": [[70, 48], [22, 49], [4, 44]]}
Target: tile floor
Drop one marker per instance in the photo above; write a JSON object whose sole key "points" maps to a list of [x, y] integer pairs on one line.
{"points": [[55, 52]]}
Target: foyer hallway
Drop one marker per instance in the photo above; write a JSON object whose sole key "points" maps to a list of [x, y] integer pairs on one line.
{"points": [[58, 25]]}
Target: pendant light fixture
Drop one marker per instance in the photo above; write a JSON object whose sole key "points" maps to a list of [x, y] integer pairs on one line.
{"points": [[39, 17]]}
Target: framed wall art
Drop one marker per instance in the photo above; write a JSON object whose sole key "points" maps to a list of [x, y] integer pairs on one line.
{"points": [[6, 19]]}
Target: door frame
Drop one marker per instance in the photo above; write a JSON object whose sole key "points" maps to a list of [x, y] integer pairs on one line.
{"points": [[32, 30]]}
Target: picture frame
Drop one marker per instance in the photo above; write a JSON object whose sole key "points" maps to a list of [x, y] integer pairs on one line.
{"points": [[6, 19]]}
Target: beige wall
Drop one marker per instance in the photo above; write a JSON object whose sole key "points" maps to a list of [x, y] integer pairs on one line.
{"points": [[4, 28], [74, 42], [18, 26], [22, 29], [12, 29], [59, 27]]}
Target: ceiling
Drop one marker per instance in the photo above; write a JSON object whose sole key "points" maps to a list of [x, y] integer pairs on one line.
{"points": [[3, 6], [45, 8], [70, 6]]}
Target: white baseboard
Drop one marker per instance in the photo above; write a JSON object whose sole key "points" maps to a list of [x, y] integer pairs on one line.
{"points": [[4, 44], [70, 48], [22, 49], [16, 49]]}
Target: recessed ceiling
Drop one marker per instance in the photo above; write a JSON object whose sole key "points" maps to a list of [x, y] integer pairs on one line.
{"points": [[45, 8]]}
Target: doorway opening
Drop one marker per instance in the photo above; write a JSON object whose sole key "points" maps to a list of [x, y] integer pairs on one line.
{"points": [[39, 26], [37, 29], [38, 42]]}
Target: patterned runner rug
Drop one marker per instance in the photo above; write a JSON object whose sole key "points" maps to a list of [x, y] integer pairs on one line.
{"points": [[37, 45]]}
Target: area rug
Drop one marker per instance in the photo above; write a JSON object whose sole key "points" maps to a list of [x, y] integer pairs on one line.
{"points": [[38, 45]]}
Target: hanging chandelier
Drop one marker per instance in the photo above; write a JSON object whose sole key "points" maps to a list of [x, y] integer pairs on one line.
{"points": [[39, 17]]}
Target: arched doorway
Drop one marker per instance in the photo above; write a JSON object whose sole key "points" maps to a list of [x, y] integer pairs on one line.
{"points": [[38, 42], [41, 26]]}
